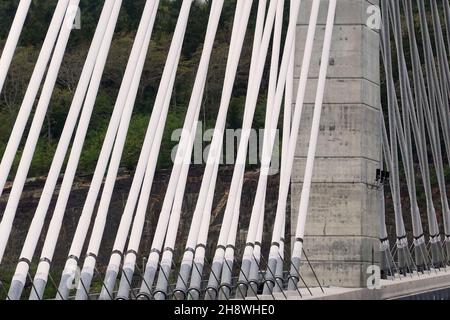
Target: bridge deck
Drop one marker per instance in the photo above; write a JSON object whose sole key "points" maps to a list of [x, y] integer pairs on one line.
{"points": [[406, 287]]}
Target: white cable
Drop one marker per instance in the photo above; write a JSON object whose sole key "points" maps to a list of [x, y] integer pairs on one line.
{"points": [[252, 96], [239, 30], [257, 38], [206, 195], [287, 118], [184, 150], [216, 144], [305, 196], [273, 81], [35, 130], [224, 252], [197, 237], [31, 93], [158, 239], [141, 41], [152, 142], [296, 120], [94, 63], [257, 218], [235, 49], [204, 228], [285, 152], [100, 221], [151, 145], [13, 39], [271, 120], [111, 139], [201, 219], [105, 156], [397, 139]]}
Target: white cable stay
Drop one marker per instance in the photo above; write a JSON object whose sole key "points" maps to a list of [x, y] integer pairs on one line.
{"points": [[255, 256], [271, 119], [447, 21], [151, 147], [434, 84], [398, 139], [174, 189], [307, 181], [115, 150], [139, 219], [230, 220], [167, 255], [287, 172], [417, 123], [442, 57], [142, 35], [386, 260], [287, 129], [13, 39], [149, 155], [287, 124], [31, 92], [198, 234], [90, 77], [182, 159], [36, 126], [409, 118], [172, 210], [424, 117], [194, 260]]}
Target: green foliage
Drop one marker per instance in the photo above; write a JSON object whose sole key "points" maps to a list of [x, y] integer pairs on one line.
{"points": [[447, 173], [135, 139], [30, 44]]}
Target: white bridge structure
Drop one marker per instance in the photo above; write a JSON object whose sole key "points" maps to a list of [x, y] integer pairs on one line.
{"points": [[342, 144]]}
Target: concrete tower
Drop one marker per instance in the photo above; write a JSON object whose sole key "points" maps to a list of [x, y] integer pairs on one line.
{"points": [[342, 227]]}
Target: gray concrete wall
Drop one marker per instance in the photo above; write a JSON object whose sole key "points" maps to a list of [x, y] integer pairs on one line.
{"points": [[342, 226]]}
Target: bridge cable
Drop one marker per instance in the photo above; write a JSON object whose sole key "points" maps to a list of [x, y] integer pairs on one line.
{"points": [[206, 195], [92, 69], [398, 139], [447, 21], [12, 40], [423, 112], [409, 117], [151, 145], [249, 111], [286, 172], [167, 256], [202, 239], [64, 193], [188, 130], [386, 260], [436, 92], [40, 68], [123, 104], [173, 211], [179, 188], [271, 116], [225, 243], [442, 57], [287, 123], [198, 222], [35, 130], [438, 111], [304, 202]]}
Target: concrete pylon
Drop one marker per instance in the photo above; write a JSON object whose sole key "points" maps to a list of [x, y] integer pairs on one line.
{"points": [[342, 229]]}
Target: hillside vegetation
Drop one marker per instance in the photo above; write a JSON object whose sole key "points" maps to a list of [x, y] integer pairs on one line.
{"points": [[30, 44]]}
